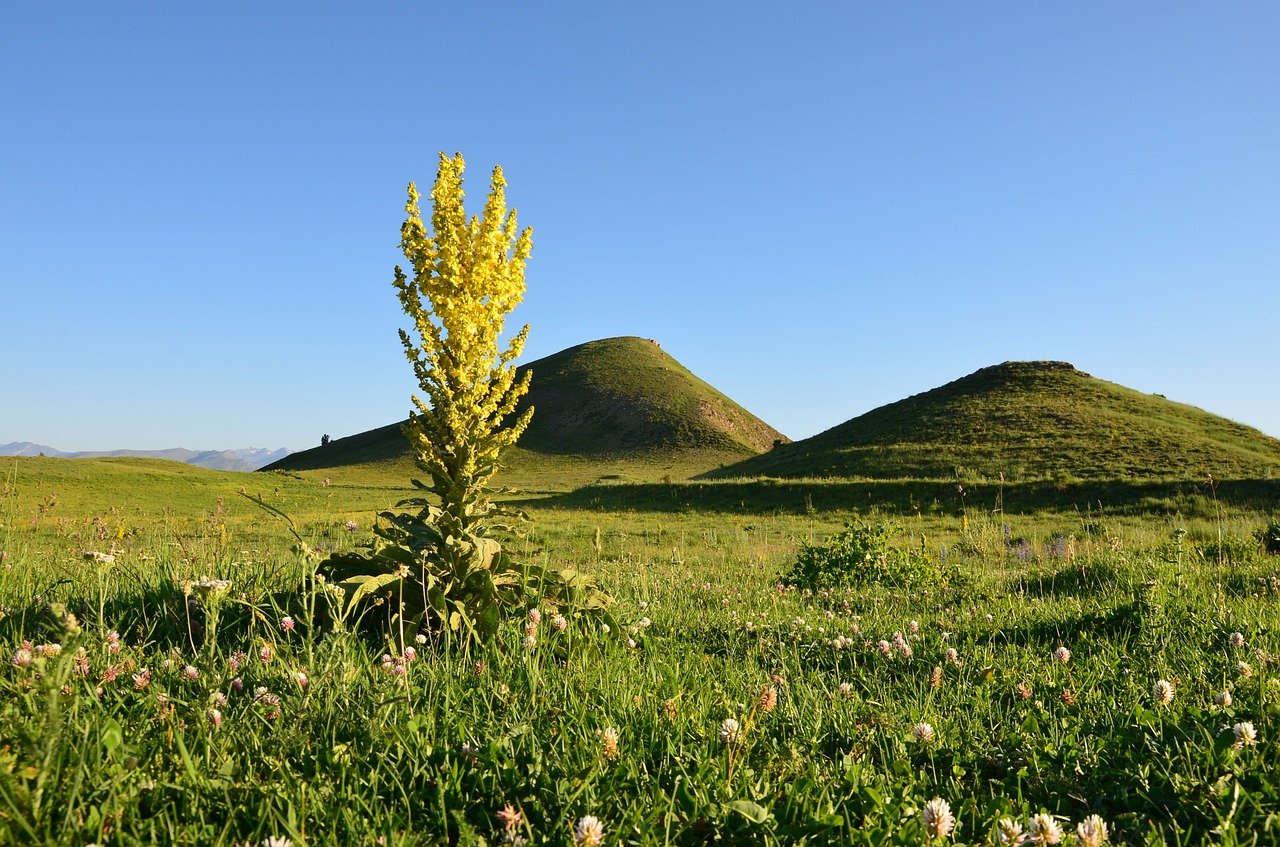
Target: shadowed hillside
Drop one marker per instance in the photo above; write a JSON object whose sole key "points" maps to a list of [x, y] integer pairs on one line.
{"points": [[1026, 420], [617, 398]]}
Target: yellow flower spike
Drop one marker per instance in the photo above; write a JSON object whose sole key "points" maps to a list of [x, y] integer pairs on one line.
{"points": [[465, 276]]}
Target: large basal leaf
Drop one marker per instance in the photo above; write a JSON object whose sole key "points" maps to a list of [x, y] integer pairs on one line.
{"points": [[753, 812], [362, 585]]}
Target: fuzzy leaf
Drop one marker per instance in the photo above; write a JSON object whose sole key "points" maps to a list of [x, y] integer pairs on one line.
{"points": [[753, 812]]}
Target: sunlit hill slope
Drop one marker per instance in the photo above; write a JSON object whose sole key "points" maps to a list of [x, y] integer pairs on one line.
{"points": [[620, 403], [1027, 421]]}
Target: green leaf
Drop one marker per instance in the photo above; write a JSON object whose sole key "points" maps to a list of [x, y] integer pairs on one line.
{"points": [[361, 585], [753, 812], [112, 735]]}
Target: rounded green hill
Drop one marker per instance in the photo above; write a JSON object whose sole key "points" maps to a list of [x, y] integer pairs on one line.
{"points": [[1027, 421], [613, 398]]}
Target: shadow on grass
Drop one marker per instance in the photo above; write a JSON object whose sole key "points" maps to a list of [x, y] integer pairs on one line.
{"points": [[767, 496]]}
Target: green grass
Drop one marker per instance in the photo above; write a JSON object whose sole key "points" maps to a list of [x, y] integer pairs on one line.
{"points": [[431, 756]]}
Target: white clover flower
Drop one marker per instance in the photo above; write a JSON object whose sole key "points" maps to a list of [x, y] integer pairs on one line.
{"points": [[609, 742], [937, 817], [1092, 831], [1043, 829], [510, 818], [1237, 639], [1062, 654], [1009, 832], [1162, 692], [730, 731], [1245, 734], [1223, 699], [589, 832], [923, 733]]}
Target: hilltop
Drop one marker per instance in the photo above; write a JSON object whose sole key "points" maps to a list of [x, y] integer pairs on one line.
{"points": [[1026, 420], [616, 403]]}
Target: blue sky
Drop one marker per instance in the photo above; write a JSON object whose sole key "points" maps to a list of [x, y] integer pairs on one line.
{"points": [[819, 208]]}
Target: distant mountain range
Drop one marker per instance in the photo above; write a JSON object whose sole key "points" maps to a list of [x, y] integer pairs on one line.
{"points": [[245, 459]]}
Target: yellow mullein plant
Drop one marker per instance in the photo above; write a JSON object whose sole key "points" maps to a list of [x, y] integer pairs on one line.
{"points": [[468, 274], [439, 569]]}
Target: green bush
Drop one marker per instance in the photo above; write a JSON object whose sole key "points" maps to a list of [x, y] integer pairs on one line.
{"points": [[862, 555], [1234, 550], [1270, 537]]}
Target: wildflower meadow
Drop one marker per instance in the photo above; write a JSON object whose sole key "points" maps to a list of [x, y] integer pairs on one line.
{"points": [[321, 661], [191, 682]]}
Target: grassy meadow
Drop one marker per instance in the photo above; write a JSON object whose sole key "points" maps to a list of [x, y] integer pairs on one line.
{"points": [[1045, 653]]}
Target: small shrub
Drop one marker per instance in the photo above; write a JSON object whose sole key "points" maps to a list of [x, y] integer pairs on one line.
{"points": [[1095, 528], [861, 556], [1234, 550], [1270, 537]]}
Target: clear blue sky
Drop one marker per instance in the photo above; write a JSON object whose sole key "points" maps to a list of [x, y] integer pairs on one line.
{"points": [[819, 208]]}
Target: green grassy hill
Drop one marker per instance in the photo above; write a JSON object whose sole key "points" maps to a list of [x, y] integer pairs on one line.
{"points": [[617, 407], [1028, 421]]}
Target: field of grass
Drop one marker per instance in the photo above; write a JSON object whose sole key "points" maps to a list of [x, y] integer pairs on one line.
{"points": [[144, 701]]}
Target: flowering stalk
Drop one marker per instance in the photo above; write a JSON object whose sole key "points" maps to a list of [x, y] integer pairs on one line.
{"points": [[467, 275], [737, 744]]}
